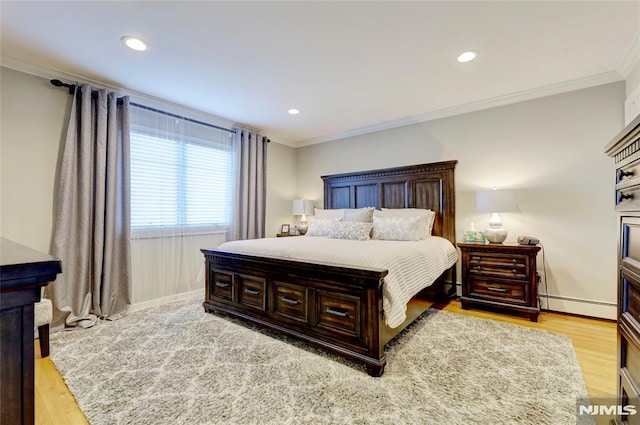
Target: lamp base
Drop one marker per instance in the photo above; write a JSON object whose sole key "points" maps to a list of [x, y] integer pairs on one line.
{"points": [[303, 227], [495, 234]]}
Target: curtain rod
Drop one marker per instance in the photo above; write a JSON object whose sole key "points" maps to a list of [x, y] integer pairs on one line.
{"points": [[72, 90]]}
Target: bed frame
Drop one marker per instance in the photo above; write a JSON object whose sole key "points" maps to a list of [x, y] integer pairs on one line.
{"points": [[336, 308]]}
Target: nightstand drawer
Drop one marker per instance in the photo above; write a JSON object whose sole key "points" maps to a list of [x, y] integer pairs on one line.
{"points": [[512, 266], [490, 289]]}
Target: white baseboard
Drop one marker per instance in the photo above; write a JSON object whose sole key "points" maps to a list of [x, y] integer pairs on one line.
{"points": [[590, 308], [166, 300], [579, 306]]}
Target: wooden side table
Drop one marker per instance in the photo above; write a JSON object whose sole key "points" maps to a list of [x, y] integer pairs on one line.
{"points": [[23, 271], [284, 235], [501, 276]]}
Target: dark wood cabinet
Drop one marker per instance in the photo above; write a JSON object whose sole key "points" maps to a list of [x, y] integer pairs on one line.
{"points": [[500, 275], [23, 271], [625, 149]]}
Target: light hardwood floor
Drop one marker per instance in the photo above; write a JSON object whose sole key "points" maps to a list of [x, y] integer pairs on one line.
{"points": [[594, 341]]}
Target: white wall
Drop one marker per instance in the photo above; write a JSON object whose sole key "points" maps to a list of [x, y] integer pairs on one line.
{"points": [[33, 117], [282, 186], [632, 102], [550, 150], [633, 79]]}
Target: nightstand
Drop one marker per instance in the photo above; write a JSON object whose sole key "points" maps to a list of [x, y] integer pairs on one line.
{"points": [[500, 276]]}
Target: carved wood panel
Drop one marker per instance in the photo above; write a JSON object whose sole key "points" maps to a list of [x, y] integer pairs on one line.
{"points": [[366, 195], [395, 194]]}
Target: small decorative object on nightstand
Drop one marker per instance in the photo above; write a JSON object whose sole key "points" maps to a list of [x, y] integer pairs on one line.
{"points": [[501, 276]]}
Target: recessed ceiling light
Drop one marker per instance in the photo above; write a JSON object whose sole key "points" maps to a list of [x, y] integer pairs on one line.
{"points": [[134, 43], [467, 56], [294, 111]]}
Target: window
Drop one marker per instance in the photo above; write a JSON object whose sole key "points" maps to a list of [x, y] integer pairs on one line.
{"points": [[182, 175]]}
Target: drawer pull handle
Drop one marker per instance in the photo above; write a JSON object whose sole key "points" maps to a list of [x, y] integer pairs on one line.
{"points": [[622, 174], [514, 271], [478, 268], [289, 301], [337, 312], [623, 196], [251, 291], [495, 289], [514, 261], [220, 284]]}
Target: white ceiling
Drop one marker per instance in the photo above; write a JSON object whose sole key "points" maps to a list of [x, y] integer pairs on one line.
{"points": [[348, 66]]}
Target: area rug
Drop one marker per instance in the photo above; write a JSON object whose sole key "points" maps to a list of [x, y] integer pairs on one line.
{"points": [[176, 364]]}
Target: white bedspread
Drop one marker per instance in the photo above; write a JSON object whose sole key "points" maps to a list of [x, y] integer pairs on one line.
{"points": [[412, 265]]}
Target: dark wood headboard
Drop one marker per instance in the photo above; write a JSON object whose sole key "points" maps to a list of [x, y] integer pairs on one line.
{"points": [[429, 186]]}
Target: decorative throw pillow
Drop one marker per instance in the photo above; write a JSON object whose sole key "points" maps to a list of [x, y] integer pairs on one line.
{"points": [[353, 230], [428, 215], [360, 214], [321, 226], [332, 214], [399, 228]]}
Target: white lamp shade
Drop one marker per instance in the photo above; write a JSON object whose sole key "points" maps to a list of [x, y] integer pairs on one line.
{"points": [[302, 207], [492, 201]]}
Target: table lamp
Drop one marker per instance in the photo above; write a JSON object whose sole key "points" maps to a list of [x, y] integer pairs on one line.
{"points": [[495, 202], [303, 207]]}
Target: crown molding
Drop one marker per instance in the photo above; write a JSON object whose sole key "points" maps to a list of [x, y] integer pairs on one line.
{"points": [[631, 59], [53, 73], [549, 90], [50, 73], [544, 91]]}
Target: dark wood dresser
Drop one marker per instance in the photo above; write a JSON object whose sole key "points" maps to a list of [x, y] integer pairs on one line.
{"points": [[501, 276], [625, 149], [23, 271]]}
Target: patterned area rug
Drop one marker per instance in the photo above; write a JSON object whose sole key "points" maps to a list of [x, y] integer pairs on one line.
{"points": [[176, 364]]}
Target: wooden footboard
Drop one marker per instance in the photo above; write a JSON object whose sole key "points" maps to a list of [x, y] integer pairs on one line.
{"points": [[335, 308]]}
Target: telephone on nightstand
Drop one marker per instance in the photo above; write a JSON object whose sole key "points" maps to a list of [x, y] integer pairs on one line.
{"points": [[528, 240]]}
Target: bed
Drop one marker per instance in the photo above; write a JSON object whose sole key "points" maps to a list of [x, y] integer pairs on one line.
{"points": [[337, 307]]}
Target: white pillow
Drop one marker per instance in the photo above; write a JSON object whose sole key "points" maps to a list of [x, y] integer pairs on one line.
{"points": [[354, 230], [321, 226], [428, 215], [333, 214], [360, 214], [399, 228]]}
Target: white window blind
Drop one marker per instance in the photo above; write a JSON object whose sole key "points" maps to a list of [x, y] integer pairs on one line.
{"points": [[182, 174]]}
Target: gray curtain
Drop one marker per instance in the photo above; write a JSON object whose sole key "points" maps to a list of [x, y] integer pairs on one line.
{"points": [[250, 196], [92, 212]]}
